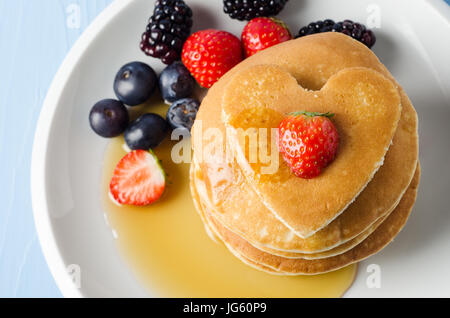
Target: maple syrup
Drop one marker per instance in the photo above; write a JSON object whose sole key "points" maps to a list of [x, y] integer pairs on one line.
{"points": [[169, 251]]}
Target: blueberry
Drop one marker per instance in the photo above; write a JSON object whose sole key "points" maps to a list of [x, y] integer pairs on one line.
{"points": [[109, 118], [175, 82], [135, 83], [146, 132], [182, 113]]}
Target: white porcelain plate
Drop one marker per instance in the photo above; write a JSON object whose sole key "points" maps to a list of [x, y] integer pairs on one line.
{"points": [[413, 42]]}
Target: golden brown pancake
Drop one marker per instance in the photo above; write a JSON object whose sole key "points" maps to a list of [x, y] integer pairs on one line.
{"points": [[381, 237], [366, 107], [240, 208], [198, 189]]}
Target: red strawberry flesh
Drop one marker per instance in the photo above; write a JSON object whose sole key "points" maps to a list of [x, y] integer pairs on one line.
{"points": [[261, 33], [209, 54], [138, 179], [308, 142]]}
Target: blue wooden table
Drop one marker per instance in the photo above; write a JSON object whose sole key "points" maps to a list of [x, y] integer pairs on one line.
{"points": [[35, 35]]}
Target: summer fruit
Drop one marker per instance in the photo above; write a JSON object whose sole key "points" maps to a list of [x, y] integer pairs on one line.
{"points": [[167, 30], [356, 30], [261, 33], [182, 113], [109, 118], [146, 132], [135, 83], [175, 82], [209, 54], [308, 142], [249, 9], [138, 179]]}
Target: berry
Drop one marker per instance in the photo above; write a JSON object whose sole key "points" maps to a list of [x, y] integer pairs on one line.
{"points": [[146, 132], [308, 142], [175, 82], [109, 118], [356, 30], [182, 113], [209, 54], [138, 179], [261, 33], [167, 30], [249, 9], [135, 83]]}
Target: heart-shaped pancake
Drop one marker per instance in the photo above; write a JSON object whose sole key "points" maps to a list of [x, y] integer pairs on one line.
{"points": [[239, 208], [367, 109]]}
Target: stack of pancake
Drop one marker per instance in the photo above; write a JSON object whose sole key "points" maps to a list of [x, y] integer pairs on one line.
{"points": [[275, 221]]}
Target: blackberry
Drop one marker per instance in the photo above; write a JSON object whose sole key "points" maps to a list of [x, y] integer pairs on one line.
{"points": [[250, 9], [356, 30], [167, 30]]}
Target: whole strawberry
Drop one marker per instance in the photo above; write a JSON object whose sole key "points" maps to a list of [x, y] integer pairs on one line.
{"points": [[209, 54], [261, 33], [308, 142]]}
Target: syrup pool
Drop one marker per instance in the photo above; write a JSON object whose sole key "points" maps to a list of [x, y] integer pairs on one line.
{"points": [[168, 250]]}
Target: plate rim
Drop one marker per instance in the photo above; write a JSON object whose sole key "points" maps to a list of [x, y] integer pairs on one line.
{"points": [[38, 180]]}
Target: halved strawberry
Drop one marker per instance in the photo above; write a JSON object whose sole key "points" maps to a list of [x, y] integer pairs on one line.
{"points": [[138, 179]]}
